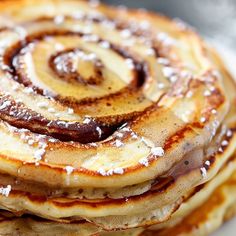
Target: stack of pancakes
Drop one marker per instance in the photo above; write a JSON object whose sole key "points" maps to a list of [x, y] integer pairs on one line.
{"points": [[112, 122]]}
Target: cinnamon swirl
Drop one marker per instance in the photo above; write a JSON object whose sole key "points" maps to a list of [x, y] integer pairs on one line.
{"points": [[112, 121]]}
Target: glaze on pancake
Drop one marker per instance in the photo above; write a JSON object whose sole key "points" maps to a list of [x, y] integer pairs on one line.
{"points": [[110, 119]]}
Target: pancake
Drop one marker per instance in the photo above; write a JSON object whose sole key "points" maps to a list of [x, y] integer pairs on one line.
{"points": [[201, 221], [154, 112], [110, 120], [207, 217]]}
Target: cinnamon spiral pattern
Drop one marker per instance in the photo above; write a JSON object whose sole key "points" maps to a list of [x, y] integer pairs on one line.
{"points": [[108, 115]]}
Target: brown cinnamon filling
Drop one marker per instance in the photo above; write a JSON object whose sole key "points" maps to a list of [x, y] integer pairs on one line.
{"points": [[64, 67], [77, 66]]}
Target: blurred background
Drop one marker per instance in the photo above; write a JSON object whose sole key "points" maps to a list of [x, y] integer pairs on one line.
{"points": [[212, 18], [215, 20]]}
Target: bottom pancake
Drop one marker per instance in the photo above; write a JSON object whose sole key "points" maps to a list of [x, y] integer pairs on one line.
{"points": [[221, 206], [202, 220]]}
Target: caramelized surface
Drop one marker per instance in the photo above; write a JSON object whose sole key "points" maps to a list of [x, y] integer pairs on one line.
{"points": [[121, 118]]}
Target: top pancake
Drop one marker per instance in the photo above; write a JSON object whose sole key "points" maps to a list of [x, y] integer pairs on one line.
{"points": [[88, 99]]}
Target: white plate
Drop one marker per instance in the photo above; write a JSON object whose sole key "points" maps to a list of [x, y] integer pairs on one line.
{"points": [[228, 229]]}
